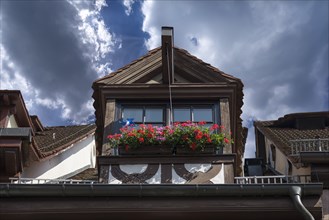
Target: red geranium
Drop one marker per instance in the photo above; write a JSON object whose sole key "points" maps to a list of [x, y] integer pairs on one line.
{"points": [[187, 134]]}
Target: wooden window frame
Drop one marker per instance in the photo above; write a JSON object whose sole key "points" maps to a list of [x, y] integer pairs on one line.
{"points": [[166, 109]]}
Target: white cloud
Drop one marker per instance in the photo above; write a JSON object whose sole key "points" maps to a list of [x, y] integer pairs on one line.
{"points": [[93, 32], [279, 49], [11, 76], [128, 5]]}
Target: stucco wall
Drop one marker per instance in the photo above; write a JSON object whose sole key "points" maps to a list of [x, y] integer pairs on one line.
{"points": [[12, 122], [301, 171], [281, 164], [76, 158]]}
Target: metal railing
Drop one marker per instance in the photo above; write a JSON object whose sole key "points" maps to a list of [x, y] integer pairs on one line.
{"points": [[309, 145], [49, 181], [273, 179], [238, 180]]}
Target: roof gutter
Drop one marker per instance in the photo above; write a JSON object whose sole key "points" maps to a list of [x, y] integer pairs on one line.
{"points": [[294, 191], [295, 194], [156, 190]]}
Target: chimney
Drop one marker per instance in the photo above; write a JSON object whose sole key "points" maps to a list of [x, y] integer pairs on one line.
{"points": [[167, 55]]}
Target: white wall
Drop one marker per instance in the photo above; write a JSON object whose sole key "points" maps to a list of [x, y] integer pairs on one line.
{"points": [[282, 164], [12, 122], [76, 158], [301, 171], [219, 178]]}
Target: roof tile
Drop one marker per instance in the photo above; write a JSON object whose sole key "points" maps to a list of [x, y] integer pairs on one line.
{"points": [[55, 139], [281, 136]]}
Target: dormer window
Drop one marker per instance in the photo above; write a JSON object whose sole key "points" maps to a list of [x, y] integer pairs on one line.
{"points": [[144, 114], [159, 115], [194, 113]]}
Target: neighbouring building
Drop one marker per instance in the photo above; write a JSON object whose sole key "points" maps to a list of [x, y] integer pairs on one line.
{"points": [[297, 146], [30, 150]]}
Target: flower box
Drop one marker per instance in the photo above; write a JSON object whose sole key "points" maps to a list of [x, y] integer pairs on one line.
{"points": [[146, 150], [188, 137], [207, 150]]}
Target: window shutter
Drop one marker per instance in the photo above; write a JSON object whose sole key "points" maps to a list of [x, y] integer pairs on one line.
{"points": [[11, 163]]}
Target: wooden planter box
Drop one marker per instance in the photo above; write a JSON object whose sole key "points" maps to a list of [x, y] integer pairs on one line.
{"points": [[208, 150], [167, 150], [146, 150]]}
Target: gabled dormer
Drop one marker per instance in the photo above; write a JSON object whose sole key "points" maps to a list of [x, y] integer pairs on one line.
{"points": [[174, 85]]}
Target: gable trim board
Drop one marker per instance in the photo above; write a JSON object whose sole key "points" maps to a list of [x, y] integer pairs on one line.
{"points": [[184, 64]]}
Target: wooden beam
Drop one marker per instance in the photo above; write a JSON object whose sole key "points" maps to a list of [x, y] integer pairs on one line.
{"points": [[108, 123], [225, 121], [167, 55]]}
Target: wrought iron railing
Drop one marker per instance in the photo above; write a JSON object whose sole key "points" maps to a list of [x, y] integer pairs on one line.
{"points": [[273, 179], [309, 145], [49, 181]]}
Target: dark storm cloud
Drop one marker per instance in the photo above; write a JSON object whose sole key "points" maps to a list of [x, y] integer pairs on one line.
{"points": [[41, 37], [298, 59]]}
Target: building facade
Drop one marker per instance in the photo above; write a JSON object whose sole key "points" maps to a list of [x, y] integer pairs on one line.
{"points": [[297, 146], [30, 150], [169, 85]]}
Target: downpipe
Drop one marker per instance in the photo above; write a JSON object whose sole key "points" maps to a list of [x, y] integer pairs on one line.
{"points": [[295, 193]]}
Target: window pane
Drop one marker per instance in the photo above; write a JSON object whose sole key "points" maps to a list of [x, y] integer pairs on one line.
{"points": [[202, 114], [135, 113], [153, 115], [182, 114]]}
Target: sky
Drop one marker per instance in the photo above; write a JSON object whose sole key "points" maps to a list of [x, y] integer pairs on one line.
{"points": [[52, 51]]}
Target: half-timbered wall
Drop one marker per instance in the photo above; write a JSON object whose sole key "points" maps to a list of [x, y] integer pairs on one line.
{"points": [[214, 169]]}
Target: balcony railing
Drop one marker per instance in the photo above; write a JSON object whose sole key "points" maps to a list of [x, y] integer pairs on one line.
{"points": [[273, 179], [309, 145], [238, 180], [49, 181]]}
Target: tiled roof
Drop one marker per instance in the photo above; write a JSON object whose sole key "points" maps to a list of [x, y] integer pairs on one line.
{"points": [[88, 174], [151, 52], [206, 64], [176, 49], [55, 139], [281, 136]]}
